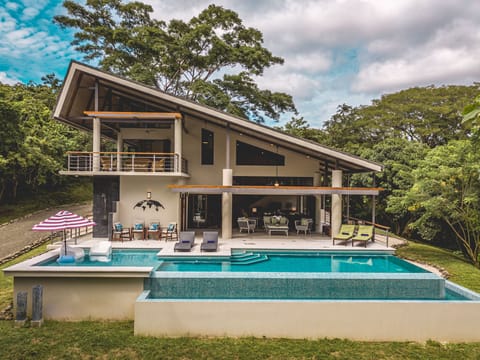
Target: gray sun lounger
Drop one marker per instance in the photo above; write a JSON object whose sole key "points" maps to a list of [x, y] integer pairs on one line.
{"points": [[185, 241], [210, 241]]}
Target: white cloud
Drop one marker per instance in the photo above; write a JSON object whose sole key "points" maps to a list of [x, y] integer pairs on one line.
{"points": [[30, 13], [6, 79], [298, 85]]}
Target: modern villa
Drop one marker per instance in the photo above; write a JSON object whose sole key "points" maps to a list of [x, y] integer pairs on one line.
{"points": [[206, 167], [193, 171]]}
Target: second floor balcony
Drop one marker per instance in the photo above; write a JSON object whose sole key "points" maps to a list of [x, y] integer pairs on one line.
{"points": [[125, 163]]}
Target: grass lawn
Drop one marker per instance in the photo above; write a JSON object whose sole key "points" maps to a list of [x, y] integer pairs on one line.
{"points": [[115, 340], [6, 282], [461, 272]]}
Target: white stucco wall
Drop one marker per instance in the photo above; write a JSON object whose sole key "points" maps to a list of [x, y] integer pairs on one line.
{"points": [[134, 189], [356, 320]]}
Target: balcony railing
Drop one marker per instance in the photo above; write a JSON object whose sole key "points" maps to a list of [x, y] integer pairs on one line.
{"points": [[125, 161]]}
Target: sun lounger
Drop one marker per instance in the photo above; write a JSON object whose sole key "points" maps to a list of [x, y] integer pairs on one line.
{"points": [[210, 241], [101, 251], [364, 233], [345, 233], [185, 241]]}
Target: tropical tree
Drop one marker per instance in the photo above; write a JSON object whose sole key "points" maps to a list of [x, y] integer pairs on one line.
{"points": [[429, 115], [447, 189], [399, 158], [32, 145], [213, 58], [298, 126]]}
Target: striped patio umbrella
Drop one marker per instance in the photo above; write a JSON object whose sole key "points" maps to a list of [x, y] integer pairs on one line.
{"points": [[62, 221]]}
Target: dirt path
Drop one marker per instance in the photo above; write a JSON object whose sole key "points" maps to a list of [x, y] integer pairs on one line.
{"points": [[18, 234]]}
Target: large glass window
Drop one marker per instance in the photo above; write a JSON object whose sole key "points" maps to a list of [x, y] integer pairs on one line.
{"points": [[251, 155], [207, 147]]}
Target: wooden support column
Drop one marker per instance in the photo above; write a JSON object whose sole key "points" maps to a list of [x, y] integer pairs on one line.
{"points": [[96, 143], [119, 150]]}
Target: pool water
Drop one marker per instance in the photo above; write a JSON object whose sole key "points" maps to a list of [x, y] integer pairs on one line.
{"points": [[294, 262], [120, 257]]}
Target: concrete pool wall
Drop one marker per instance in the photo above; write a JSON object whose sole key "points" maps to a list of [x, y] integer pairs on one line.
{"points": [[80, 293], [369, 320]]}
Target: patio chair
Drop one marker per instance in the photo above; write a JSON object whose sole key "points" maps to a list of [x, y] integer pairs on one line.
{"points": [[154, 230], [185, 241], [138, 228], [345, 233], [119, 232], [364, 233], [304, 225], [245, 224], [267, 221], [210, 241], [170, 231]]}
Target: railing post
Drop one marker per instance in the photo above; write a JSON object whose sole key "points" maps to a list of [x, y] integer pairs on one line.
{"points": [[387, 237]]}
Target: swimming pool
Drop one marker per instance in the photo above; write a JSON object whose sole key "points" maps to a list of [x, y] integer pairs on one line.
{"points": [[292, 261], [120, 257]]}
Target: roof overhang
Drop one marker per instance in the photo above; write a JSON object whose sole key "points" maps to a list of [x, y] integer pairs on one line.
{"points": [[77, 96], [129, 115], [273, 190]]}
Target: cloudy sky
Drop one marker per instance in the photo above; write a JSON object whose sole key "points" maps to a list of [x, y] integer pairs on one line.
{"points": [[335, 51]]}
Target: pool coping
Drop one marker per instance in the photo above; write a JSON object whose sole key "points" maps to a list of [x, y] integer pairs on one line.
{"points": [[30, 268]]}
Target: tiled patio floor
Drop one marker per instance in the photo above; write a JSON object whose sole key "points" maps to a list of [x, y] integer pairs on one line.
{"points": [[257, 240]]}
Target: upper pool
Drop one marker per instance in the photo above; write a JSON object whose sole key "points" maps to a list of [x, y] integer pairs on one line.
{"points": [[120, 257], [292, 261]]}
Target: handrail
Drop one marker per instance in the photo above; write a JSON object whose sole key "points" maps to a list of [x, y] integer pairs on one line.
{"points": [[112, 161], [119, 152], [375, 225]]}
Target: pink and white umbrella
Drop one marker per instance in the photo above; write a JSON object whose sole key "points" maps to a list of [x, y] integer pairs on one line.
{"points": [[63, 220]]}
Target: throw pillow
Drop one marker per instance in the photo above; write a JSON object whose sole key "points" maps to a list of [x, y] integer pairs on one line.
{"points": [[118, 227], [138, 226]]}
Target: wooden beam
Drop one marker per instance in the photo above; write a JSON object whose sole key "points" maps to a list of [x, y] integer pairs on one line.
{"points": [[133, 115]]}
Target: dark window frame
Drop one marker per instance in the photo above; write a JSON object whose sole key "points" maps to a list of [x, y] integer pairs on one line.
{"points": [[251, 155], [207, 148]]}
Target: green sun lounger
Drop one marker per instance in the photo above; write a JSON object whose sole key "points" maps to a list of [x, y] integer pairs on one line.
{"points": [[345, 233], [365, 233]]}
